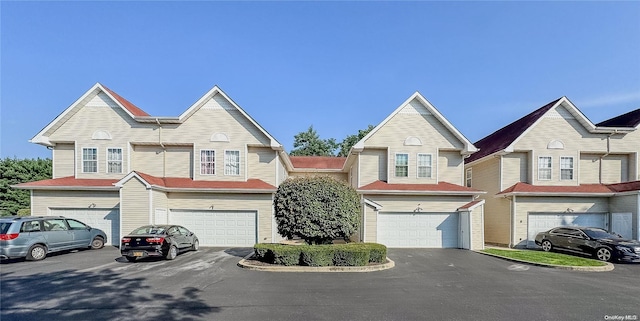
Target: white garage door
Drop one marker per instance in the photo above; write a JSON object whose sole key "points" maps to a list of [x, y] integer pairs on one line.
{"points": [[106, 219], [434, 230], [218, 228], [540, 222]]}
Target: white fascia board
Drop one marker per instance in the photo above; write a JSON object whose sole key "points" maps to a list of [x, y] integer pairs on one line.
{"points": [[214, 190], [404, 192], [471, 208], [372, 204], [533, 194], [70, 188], [129, 176], [614, 130], [578, 114]]}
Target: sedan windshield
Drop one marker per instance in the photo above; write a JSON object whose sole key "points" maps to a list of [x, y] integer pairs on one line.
{"points": [[145, 230], [600, 234]]}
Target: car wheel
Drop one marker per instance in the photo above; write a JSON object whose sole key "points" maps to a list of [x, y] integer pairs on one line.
{"points": [[172, 253], [603, 254], [36, 253], [546, 246], [97, 243], [195, 246], [131, 258]]}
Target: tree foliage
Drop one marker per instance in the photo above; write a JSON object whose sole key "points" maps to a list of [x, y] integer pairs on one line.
{"points": [[310, 144], [351, 140], [317, 209], [15, 171]]}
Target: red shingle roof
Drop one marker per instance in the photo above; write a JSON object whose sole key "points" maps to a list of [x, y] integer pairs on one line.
{"points": [[440, 187], [525, 188], [469, 205], [504, 136], [630, 119], [69, 181], [317, 162], [188, 183], [133, 109], [625, 187]]}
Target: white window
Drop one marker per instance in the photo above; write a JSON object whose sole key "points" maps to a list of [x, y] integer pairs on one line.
{"points": [[424, 166], [207, 162], [544, 168], [114, 160], [402, 165], [89, 160], [468, 179], [566, 168], [232, 162]]}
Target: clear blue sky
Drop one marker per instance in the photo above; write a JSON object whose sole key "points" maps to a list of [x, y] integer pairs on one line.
{"points": [[338, 66]]}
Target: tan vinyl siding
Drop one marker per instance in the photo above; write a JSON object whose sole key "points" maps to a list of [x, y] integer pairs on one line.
{"points": [[160, 200], [589, 169], [353, 175], [371, 224], [262, 203], [44, 200], [450, 165], [149, 160], [178, 161], [615, 169], [514, 168], [477, 228], [525, 205], [262, 164], [628, 143], [427, 203], [63, 160], [283, 174], [373, 166], [135, 207]]}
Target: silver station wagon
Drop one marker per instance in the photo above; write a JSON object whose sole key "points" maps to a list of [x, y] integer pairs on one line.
{"points": [[33, 237]]}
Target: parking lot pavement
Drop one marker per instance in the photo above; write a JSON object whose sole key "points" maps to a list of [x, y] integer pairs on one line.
{"points": [[434, 284]]}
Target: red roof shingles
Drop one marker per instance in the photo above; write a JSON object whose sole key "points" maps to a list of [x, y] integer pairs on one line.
{"points": [[70, 181], [625, 187], [133, 109], [469, 205], [440, 187], [504, 136], [317, 162], [524, 188], [630, 119]]}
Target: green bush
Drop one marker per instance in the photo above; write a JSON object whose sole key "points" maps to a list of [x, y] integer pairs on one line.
{"points": [[263, 252], [286, 254], [317, 255], [24, 212], [317, 209], [350, 256], [377, 252]]}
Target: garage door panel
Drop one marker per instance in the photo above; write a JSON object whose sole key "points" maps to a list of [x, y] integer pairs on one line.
{"points": [[215, 228], [418, 229], [540, 222]]}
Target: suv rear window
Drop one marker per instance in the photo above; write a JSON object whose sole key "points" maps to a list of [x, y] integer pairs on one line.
{"points": [[4, 227]]}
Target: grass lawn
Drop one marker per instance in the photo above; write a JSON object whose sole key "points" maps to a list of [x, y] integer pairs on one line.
{"points": [[545, 257]]}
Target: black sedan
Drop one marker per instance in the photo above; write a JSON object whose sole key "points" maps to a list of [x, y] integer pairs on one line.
{"points": [[158, 241], [592, 241]]}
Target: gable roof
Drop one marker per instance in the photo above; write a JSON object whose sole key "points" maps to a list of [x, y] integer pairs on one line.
{"points": [[584, 190], [471, 206], [317, 162], [630, 119], [189, 185], [625, 187], [133, 109], [381, 187], [468, 146]]}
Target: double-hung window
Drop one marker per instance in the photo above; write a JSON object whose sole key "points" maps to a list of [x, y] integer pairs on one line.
{"points": [[566, 168], [544, 167], [207, 162], [232, 162], [424, 166], [114, 160], [468, 178], [89, 160], [402, 165]]}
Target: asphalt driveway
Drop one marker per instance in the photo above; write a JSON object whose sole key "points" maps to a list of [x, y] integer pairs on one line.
{"points": [[434, 284]]}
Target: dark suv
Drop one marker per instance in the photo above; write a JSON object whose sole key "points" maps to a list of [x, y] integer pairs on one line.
{"points": [[592, 241], [32, 237]]}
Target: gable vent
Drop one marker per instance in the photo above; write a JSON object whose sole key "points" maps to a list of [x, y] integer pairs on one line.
{"points": [[101, 135], [555, 144], [412, 141], [219, 137]]}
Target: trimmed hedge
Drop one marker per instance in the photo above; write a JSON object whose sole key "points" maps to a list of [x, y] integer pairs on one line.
{"points": [[351, 254]]}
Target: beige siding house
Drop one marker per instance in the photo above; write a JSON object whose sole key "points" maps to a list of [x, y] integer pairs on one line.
{"points": [[555, 167]]}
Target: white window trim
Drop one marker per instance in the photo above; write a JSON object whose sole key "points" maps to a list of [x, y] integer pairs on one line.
{"points": [[468, 177], [430, 166], [225, 161], [82, 160], [573, 168], [395, 158], [550, 168], [107, 160], [214, 161]]}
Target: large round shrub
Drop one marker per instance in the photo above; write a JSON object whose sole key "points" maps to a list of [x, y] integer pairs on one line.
{"points": [[317, 209]]}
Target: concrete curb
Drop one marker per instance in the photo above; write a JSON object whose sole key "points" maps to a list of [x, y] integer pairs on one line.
{"points": [[246, 264], [606, 268]]}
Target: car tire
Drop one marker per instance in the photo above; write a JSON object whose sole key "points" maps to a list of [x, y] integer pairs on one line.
{"points": [[97, 243], [131, 258], [603, 254], [172, 252], [195, 246], [36, 253], [547, 246]]}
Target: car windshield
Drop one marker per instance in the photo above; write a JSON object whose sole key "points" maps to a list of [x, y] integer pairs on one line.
{"points": [[4, 227], [600, 234], [149, 230]]}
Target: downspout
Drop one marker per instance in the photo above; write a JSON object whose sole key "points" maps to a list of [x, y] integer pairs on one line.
{"points": [[513, 222], [605, 155], [164, 150]]}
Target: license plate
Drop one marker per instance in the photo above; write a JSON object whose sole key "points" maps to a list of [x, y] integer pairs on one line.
{"points": [[138, 254]]}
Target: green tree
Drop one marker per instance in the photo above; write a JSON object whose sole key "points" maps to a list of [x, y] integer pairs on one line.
{"points": [[310, 144], [317, 209], [15, 171], [351, 140]]}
